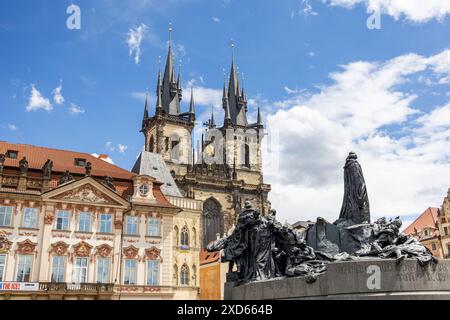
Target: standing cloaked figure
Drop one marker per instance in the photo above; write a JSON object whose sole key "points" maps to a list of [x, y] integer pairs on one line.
{"points": [[355, 206]]}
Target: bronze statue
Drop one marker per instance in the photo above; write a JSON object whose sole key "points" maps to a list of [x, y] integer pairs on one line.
{"points": [[109, 182], [47, 169], [23, 166], [88, 168], [355, 205], [2, 161], [66, 177]]}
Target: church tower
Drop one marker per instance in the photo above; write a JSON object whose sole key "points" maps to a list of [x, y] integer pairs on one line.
{"points": [[228, 167], [168, 132]]}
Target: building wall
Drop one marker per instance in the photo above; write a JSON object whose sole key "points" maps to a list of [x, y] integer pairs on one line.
{"points": [[187, 220], [444, 225], [44, 242]]}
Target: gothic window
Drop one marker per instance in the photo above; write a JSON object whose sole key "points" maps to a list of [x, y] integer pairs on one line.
{"points": [[194, 274], [185, 237], [212, 224], [167, 143], [184, 275], [152, 143], [247, 155], [175, 275], [176, 238], [194, 237]]}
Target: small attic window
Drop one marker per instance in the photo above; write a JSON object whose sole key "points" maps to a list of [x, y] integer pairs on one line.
{"points": [[80, 162], [169, 184], [12, 154], [155, 168]]}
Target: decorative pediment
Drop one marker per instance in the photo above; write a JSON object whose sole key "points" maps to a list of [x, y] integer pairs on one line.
{"points": [[153, 253], [83, 249], [5, 244], [26, 247], [85, 194], [86, 191], [130, 252], [103, 250], [59, 248]]}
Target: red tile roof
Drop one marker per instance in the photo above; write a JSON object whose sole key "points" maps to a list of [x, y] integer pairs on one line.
{"points": [[62, 160], [427, 219], [65, 160]]}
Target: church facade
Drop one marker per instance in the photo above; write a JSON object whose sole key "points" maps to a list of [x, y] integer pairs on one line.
{"points": [[226, 169]]}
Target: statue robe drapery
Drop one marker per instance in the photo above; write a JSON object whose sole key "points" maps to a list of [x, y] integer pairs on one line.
{"points": [[355, 206]]}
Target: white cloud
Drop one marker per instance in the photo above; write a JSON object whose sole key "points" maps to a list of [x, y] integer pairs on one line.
{"points": [[103, 157], [37, 101], [216, 19], [12, 127], [306, 9], [311, 54], [406, 170], [122, 148], [75, 110], [57, 94], [420, 11], [109, 146], [134, 40]]}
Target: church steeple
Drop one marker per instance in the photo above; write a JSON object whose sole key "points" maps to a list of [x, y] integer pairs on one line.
{"points": [[236, 97], [227, 119], [171, 91]]}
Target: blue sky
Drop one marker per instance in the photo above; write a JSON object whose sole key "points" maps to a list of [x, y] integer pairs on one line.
{"points": [[298, 58]]}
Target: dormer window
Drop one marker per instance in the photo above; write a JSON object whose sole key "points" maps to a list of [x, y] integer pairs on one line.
{"points": [[12, 154], [80, 162], [144, 189]]}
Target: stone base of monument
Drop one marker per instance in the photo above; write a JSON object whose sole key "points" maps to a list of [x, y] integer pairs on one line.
{"points": [[352, 280]]}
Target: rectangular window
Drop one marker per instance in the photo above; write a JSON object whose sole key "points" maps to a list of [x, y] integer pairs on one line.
{"points": [[80, 162], [81, 269], [152, 272], [29, 218], [58, 268], [446, 231], [153, 227], [2, 266], [12, 154], [103, 267], [84, 222], [6, 216], [130, 271], [62, 220], [131, 226], [105, 223], [24, 266], [433, 246]]}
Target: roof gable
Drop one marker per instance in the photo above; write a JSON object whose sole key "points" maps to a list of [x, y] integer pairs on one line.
{"points": [[86, 191]]}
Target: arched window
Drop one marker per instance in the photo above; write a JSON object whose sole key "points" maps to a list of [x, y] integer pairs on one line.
{"points": [[212, 221], [176, 238], [175, 275], [184, 275], [152, 143], [185, 236], [194, 275], [194, 237], [247, 155]]}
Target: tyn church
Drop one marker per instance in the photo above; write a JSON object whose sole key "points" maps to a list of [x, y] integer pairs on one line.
{"points": [[235, 173]]}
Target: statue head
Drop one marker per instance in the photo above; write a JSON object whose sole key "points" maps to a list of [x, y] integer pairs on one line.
{"points": [[352, 156], [247, 204], [273, 212]]}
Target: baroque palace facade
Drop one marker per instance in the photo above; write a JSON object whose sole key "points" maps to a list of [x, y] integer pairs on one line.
{"points": [[73, 226]]}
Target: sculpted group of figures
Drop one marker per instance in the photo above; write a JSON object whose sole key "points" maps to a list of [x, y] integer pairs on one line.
{"points": [[260, 248]]}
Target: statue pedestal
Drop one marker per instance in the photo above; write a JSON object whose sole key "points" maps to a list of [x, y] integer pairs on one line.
{"points": [[353, 280]]}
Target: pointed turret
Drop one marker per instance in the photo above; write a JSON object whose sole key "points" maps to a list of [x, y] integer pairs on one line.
{"points": [[259, 118], [212, 121], [146, 107], [227, 123], [237, 104], [170, 93], [192, 107]]}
